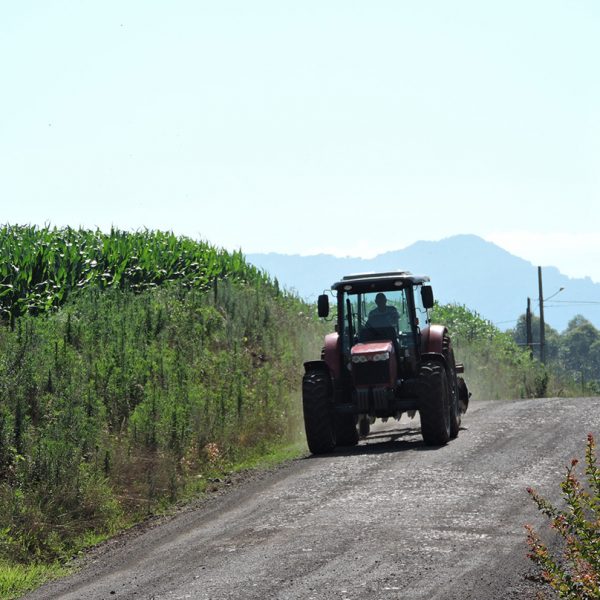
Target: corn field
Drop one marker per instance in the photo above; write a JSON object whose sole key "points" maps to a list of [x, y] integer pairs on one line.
{"points": [[41, 267], [132, 366]]}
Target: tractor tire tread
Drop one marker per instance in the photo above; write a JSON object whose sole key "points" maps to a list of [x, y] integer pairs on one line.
{"points": [[434, 404], [318, 417]]}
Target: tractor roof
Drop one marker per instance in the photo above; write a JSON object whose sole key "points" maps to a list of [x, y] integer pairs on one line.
{"points": [[380, 281]]}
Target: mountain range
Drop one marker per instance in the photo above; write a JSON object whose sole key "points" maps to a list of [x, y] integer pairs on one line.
{"points": [[464, 269]]}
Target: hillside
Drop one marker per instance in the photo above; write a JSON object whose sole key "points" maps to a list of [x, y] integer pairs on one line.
{"points": [[135, 368], [464, 269]]}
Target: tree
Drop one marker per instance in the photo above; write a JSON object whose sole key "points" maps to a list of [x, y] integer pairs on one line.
{"points": [[552, 337], [580, 351]]}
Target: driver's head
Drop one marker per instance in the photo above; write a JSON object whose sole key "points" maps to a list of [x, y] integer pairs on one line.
{"points": [[380, 300]]}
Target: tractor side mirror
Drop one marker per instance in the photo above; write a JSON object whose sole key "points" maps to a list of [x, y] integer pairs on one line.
{"points": [[323, 305], [427, 296]]}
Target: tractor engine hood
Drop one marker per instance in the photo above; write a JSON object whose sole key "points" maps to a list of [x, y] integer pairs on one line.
{"points": [[374, 364], [372, 351]]}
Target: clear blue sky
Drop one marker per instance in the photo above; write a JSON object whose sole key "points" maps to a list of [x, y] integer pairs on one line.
{"points": [[299, 127]]}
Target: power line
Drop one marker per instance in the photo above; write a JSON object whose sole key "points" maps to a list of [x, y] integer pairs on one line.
{"points": [[575, 302]]}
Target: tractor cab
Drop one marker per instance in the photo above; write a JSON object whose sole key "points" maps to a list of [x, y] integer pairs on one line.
{"points": [[379, 320]]}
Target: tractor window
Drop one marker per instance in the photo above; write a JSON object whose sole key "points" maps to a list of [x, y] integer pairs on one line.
{"points": [[421, 311], [374, 315]]}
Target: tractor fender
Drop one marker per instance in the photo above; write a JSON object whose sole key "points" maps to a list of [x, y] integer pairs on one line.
{"points": [[316, 365], [332, 353], [436, 356], [432, 338]]}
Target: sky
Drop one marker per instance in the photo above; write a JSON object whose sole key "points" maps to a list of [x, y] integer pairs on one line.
{"points": [[343, 127]]}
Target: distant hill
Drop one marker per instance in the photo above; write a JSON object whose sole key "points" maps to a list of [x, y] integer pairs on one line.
{"points": [[464, 269]]}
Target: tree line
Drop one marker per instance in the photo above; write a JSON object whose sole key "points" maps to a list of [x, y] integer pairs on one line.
{"points": [[574, 352]]}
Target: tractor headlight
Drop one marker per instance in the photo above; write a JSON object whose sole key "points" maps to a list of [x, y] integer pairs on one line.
{"points": [[359, 358], [381, 356]]}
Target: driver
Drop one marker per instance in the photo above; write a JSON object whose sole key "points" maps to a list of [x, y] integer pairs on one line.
{"points": [[383, 315]]}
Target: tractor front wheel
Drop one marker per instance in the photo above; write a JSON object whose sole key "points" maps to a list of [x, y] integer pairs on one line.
{"points": [[318, 416], [434, 403], [364, 427], [463, 395], [346, 433]]}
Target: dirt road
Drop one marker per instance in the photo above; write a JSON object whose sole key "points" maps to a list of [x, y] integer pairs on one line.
{"points": [[390, 519]]}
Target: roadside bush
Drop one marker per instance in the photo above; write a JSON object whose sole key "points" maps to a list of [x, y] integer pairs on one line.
{"points": [[496, 367], [575, 572]]}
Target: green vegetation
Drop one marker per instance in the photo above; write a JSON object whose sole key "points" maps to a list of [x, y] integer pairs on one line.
{"points": [[575, 572], [118, 400], [495, 366], [575, 353], [139, 369], [16, 578], [40, 268], [115, 402]]}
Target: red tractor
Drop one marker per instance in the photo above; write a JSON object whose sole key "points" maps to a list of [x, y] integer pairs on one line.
{"points": [[385, 358]]}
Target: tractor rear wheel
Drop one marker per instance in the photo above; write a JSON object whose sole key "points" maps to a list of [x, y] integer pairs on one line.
{"points": [[455, 414], [318, 417], [434, 408], [346, 433]]}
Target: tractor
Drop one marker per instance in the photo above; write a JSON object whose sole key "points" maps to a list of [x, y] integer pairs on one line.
{"points": [[384, 359]]}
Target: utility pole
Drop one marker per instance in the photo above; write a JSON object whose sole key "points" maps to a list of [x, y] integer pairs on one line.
{"points": [[529, 332], [542, 325]]}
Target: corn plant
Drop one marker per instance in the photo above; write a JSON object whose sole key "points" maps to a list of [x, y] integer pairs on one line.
{"points": [[41, 267]]}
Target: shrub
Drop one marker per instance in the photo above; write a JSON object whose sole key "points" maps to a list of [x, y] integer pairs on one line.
{"points": [[575, 572], [495, 366]]}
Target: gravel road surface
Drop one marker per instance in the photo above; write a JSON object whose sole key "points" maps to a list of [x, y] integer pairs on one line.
{"points": [[389, 519]]}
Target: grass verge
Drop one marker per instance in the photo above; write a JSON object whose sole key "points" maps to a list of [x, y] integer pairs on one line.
{"points": [[16, 579]]}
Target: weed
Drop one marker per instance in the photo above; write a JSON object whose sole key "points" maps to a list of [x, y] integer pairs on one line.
{"points": [[575, 572], [17, 578]]}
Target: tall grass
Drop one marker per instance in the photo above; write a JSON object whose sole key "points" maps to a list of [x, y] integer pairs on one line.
{"points": [[17, 578], [131, 365], [115, 403]]}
